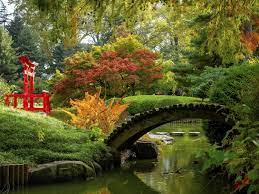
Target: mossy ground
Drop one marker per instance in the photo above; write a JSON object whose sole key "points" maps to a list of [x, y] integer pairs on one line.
{"points": [[34, 138], [143, 103], [137, 104]]}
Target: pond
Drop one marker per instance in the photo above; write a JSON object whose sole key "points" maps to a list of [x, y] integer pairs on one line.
{"points": [[175, 172]]}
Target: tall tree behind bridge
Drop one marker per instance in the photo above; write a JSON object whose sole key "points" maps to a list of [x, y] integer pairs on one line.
{"points": [[27, 42], [7, 56], [227, 18], [4, 16]]}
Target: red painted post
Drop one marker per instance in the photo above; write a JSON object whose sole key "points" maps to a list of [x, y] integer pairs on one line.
{"points": [[15, 100], [25, 86], [31, 91], [7, 100], [32, 68], [46, 102]]}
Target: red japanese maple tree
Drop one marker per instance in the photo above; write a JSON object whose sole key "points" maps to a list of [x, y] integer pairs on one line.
{"points": [[114, 72]]}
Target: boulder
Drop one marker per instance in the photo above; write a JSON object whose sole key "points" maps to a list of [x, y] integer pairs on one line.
{"points": [[60, 171], [145, 150], [97, 167]]}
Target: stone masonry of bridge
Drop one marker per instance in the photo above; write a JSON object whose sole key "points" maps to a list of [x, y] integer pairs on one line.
{"points": [[132, 129]]}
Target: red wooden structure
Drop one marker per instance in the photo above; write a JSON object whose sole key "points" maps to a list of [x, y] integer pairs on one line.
{"points": [[28, 87]]}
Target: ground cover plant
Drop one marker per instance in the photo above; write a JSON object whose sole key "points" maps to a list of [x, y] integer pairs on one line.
{"points": [[141, 103], [33, 138], [239, 87]]}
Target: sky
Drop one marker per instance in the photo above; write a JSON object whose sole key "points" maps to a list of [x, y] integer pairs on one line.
{"points": [[10, 7]]}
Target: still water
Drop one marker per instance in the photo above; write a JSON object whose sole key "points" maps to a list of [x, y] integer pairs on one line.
{"points": [[175, 172]]}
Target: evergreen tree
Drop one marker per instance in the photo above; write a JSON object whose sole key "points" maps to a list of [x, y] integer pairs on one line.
{"points": [[27, 42], [8, 67], [199, 54], [14, 28], [2, 13], [60, 52]]}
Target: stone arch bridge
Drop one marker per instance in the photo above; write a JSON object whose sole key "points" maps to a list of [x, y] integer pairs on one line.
{"points": [[131, 130]]}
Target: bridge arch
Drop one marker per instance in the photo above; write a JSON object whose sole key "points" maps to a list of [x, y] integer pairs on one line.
{"points": [[131, 130]]}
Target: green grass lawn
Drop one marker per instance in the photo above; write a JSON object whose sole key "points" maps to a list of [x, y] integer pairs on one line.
{"points": [[35, 138], [143, 103], [137, 104]]}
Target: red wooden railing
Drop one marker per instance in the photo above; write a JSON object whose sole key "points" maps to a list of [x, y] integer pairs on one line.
{"points": [[28, 96]]}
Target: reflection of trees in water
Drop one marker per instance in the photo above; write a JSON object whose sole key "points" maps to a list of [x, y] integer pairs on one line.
{"points": [[175, 173], [126, 182], [147, 179], [141, 166], [78, 187], [103, 190], [117, 182]]}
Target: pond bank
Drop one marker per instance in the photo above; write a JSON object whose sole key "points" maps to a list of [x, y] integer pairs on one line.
{"points": [[174, 172], [39, 141], [14, 176], [60, 171]]}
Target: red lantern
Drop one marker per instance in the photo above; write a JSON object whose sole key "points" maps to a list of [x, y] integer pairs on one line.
{"points": [[28, 88]]}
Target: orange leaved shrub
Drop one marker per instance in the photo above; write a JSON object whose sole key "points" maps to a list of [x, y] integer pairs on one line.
{"points": [[250, 40], [92, 110]]}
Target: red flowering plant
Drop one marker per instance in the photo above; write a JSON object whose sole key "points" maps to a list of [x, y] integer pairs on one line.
{"points": [[111, 72], [69, 87], [148, 72], [120, 69]]}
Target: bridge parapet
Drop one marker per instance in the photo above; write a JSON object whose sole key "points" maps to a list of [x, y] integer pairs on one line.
{"points": [[132, 129]]}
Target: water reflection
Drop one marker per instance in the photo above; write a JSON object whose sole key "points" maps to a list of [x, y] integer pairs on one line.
{"points": [[173, 173], [176, 173], [117, 182]]}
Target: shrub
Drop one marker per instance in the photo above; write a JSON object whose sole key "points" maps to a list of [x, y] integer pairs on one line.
{"points": [[33, 138], [4, 89], [202, 83], [239, 159], [10, 158], [143, 103], [167, 84], [238, 89], [119, 69], [54, 79], [92, 111], [65, 85]]}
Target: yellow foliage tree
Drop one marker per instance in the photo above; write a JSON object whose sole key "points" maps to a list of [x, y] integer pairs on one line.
{"points": [[92, 110]]}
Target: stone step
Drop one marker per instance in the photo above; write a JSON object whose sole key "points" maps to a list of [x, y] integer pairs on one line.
{"points": [[162, 133], [194, 133], [177, 133]]}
